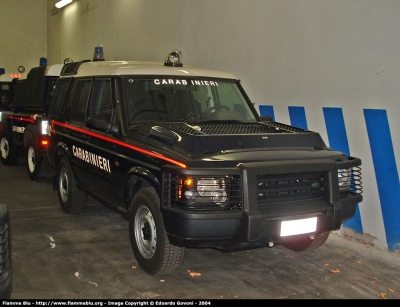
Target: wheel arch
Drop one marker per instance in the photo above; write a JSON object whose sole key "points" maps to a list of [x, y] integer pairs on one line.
{"points": [[60, 151], [5, 127], [12, 153], [31, 131], [4, 123], [137, 178]]}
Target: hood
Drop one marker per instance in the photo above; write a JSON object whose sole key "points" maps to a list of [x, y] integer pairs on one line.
{"points": [[228, 144], [208, 138]]}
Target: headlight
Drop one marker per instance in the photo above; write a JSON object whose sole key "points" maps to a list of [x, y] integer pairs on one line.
{"points": [[213, 189], [204, 190], [344, 176]]}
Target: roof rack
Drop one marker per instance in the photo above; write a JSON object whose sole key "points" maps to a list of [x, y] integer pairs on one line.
{"points": [[72, 68]]}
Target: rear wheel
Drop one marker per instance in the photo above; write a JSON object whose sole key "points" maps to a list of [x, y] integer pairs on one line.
{"points": [[71, 198], [34, 160], [150, 244], [8, 150], [307, 243]]}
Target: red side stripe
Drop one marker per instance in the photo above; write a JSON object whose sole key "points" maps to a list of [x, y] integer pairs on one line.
{"points": [[150, 153], [22, 118]]}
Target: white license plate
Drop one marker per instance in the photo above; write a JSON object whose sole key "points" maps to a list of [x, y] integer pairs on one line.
{"points": [[296, 227]]}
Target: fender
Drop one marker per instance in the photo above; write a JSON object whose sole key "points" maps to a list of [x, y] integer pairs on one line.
{"points": [[136, 178], [3, 122], [60, 151], [30, 131], [4, 125]]}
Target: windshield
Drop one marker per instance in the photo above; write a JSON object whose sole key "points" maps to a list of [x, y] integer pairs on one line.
{"points": [[186, 100]]}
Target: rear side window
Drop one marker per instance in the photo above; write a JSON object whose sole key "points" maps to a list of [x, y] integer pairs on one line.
{"points": [[76, 108], [101, 99], [18, 93], [33, 86], [51, 85], [60, 93]]}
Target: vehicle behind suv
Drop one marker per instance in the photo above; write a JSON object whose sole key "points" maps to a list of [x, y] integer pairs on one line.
{"points": [[183, 155], [6, 91], [23, 124]]}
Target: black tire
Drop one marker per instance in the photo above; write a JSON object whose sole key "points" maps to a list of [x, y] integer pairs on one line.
{"points": [[150, 244], [71, 198], [5, 254], [34, 160], [307, 243], [8, 151]]}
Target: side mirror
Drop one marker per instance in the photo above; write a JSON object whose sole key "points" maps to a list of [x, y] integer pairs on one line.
{"points": [[99, 122]]}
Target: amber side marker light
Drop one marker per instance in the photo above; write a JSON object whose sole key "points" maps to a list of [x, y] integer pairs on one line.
{"points": [[188, 183]]}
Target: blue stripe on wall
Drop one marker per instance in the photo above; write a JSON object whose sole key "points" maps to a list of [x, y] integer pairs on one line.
{"points": [[386, 173], [267, 110], [298, 117], [337, 137]]}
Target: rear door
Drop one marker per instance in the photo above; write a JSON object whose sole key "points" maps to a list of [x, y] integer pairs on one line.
{"points": [[92, 150]]}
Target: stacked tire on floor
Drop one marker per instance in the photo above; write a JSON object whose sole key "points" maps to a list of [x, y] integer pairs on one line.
{"points": [[5, 254]]}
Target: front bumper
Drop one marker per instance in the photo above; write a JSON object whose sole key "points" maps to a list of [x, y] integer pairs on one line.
{"points": [[271, 192]]}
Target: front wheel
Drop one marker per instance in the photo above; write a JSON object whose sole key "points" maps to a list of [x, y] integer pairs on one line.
{"points": [[71, 198], [150, 244], [8, 150]]}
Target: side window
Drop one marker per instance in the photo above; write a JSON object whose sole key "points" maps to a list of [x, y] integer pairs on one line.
{"points": [[76, 109], [51, 85], [60, 93], [19, 91], [100, 104], [5, 94]]}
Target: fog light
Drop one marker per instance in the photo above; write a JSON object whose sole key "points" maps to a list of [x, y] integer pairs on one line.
{"points": [[189, 194]]}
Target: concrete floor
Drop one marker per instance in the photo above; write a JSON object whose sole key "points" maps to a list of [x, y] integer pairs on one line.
{"points": [[88, 256]]}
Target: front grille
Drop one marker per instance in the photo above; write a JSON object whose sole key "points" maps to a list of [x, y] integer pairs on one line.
{"points": [[303, 186], [277, 188]]}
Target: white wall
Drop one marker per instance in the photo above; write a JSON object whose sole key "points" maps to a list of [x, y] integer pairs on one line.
{"points": [[23, 39], [310, 53]]}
